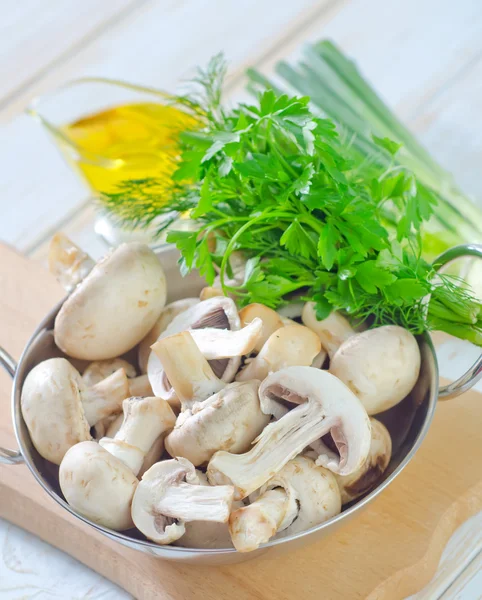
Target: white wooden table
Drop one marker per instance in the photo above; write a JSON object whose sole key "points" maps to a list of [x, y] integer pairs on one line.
{"points": [[423, 56]]}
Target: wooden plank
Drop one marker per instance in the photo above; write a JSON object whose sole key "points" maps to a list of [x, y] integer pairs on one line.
{"points": [[35, 35], [388, 551]]}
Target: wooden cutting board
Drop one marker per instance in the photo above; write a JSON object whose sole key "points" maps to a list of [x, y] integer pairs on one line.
{"points": [[389, 552]]}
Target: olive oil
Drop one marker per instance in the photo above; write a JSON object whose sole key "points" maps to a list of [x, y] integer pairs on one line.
{"points": [[132, 141]]}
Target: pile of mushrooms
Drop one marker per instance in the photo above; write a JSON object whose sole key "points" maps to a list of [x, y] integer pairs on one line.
{"points": [[203, 425]]}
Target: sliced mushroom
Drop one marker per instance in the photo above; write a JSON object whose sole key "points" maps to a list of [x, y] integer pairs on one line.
{"points": [[206, 534], [381, 366], [269, 317], [332, 331], [217, 313], [185, 370], [230, 420], [293, 345], [168, 313], [170, 494], [145, 419], [59, 409], [67, 262], [322, 404], [299, 497], [369, 474], [114, 307], [98, 485]]}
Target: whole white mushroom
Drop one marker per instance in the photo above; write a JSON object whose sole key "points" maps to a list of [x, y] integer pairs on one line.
{"points": [[381, 366], [114, 307]]}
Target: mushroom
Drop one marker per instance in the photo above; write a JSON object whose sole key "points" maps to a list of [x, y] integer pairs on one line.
{"points": [[369, 474], [210, 292], [152, 456], [145, 419], [381, 366], [269, 317], [100, 369], [332, 331], [185, 370], [206, 534], [59, 409], [170, 494], [114, 307], [67, 262], [293, 345], [230, 420], [322, 404], [98, 485], [217, 313], [299, 497], [167, 315]]}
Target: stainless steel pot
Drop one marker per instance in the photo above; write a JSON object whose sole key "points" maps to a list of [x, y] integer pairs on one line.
{"points": [[408, 423]]}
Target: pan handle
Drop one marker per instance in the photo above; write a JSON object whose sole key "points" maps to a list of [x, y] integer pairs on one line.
{"points": [[474, 373], [9, 457]]}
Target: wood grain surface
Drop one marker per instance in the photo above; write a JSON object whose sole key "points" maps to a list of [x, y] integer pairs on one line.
{"points": [[388, 552]]}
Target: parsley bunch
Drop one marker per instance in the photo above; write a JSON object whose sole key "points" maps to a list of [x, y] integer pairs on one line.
{"points": [[278, 183]]}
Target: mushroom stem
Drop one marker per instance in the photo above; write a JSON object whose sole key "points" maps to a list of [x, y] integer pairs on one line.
{"points": [[67, 262], [188, 502], [257, 523], [223, 343], [145, 419], [106, 397], [140, 386], [186, 369], [279, 442]]}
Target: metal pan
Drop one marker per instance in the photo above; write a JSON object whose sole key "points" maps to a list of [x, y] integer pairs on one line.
{"points": [[408, 423]]}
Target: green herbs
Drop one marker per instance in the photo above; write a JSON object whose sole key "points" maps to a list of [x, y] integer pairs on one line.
{"points": [[336, 87], [279, 184]]}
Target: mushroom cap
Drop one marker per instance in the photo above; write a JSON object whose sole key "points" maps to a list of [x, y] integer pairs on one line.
{"points": [[381, 366], [332, 331], [313, 488], [98, 485], [98, 370], [169, 494], [345, 417], [269, 317], [167, 315], [52, 408], [219, 312], [230, 420], [368, 475], [114, 307], [288, 346]]}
